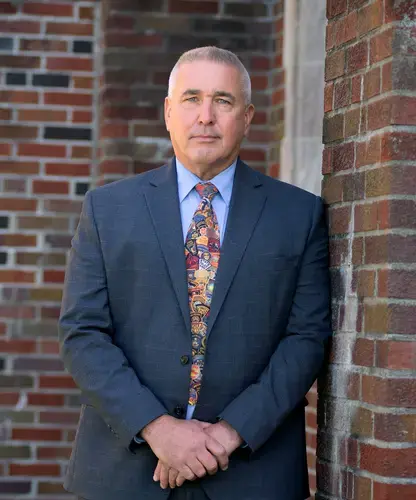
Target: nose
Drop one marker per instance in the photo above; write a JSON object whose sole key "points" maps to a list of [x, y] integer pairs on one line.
{"points": [[206, 113]]}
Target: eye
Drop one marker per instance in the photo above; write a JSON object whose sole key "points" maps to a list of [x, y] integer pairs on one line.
{"points": [[223, 101], [191, 99]]}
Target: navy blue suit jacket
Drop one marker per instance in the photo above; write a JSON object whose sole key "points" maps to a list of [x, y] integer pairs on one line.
{"points": [[125, 327]]}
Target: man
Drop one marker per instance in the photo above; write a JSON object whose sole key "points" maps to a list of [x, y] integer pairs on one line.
{"points": [[195, 313]]}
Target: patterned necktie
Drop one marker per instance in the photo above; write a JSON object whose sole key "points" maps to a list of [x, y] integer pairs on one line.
{"points": [[202, 252]]}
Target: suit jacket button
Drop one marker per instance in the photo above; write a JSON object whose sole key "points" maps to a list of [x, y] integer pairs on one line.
{"points": [[179, 411], [184, 360]]}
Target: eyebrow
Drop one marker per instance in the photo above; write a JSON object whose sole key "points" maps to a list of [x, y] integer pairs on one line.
{"points": [[218, 93]]}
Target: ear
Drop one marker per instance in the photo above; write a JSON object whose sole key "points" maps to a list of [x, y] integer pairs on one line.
{"points": [[248, 117], [167, 112]]}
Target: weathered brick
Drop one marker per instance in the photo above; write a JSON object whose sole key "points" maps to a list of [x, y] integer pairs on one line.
{"points": [[392, 110], [334, 65], [72, 29], [397, 283], [19, 97], [335, 7], [362, 488], [50, 9], [15, 487], [362, 423], [333, 129], [86, 13], [389, 248], [39, 399], [363, 352], [66, 418], [357, 56], [18, 346], [50, 187], [342, 94], [17, 240], [67, 99], [15, 452], [370, 17], [36, 434], [398, 146], [394, 491], [390, 180], [41, 115], [19, 26], [396, 355], [339, 220], [356, 89], [328, 97], [69, 64], [39, 150], [343, 157], [372, 82], [39, 222], [352, 122], [55, 382], [403, 10], [387, 461], [34, 469], [389, 391], [19, 381], [332, 189], [345, 29], [39, 364], [369, 151], [381, 46], [43, 45]]}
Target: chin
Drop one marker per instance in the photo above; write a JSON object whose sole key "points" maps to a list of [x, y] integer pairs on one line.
{"points": [[205, 155]]}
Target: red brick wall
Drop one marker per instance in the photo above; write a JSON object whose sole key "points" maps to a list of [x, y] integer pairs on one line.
{"points": [[46, 104], [366, 444]]}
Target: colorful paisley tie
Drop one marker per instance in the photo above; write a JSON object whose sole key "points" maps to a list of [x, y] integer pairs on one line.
{"points": [[202, 252]]}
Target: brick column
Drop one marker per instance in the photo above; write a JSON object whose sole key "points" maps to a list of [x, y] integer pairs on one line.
{"points": [[367, 435], [141, 42], [46, 132]]}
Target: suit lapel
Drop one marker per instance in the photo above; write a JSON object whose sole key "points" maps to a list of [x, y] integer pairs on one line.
{"points": [[163, 203], [247, 203]]}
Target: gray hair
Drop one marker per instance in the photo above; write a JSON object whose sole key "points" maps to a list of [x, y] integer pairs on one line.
{"points": [[213, 54]]}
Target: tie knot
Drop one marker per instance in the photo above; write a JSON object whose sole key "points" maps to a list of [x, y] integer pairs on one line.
{"points": [[206, 190]]}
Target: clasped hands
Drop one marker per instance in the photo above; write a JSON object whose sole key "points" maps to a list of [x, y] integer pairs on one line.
{"points": [[188, 449]]}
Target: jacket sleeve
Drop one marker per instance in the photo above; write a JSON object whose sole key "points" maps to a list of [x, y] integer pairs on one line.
{"points": [[98, 366], [257, 411]]}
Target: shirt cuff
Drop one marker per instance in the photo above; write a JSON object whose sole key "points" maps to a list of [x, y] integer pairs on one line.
{"points": [[138, 440]]}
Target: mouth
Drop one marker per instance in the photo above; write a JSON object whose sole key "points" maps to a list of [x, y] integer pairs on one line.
{"points": [[205, 138]]}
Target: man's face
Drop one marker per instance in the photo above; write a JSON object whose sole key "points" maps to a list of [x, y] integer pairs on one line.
{"points": [[207, 116]]}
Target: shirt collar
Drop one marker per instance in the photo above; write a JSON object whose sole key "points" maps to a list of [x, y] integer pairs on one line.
{"points": [[223, 181]]}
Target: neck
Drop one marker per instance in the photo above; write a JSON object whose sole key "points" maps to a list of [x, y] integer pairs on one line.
{"points": [[206, 172]]}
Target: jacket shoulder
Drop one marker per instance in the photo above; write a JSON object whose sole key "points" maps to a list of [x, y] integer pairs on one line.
{"points": [[288, 192], [127, 186]]}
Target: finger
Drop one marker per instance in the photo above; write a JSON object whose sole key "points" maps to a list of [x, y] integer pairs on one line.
{"points": [[208, 461], [156, 475], [173, 474], [196, 467], [204, 425], [164, 476], [214, 447], [186, 473], [180, 479]]}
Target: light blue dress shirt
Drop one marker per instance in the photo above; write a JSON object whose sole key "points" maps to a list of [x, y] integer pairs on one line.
{"points": [[189, 200]]}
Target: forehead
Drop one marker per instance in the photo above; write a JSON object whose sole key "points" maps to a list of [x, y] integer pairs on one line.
{"points": [[208, 77]]}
